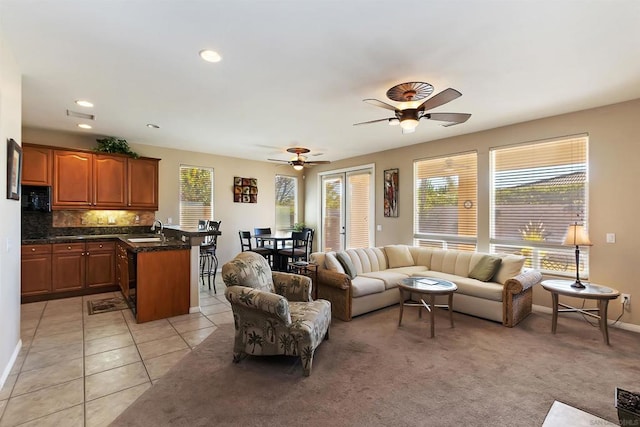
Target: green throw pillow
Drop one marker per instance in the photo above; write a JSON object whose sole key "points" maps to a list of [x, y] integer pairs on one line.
{"points": [[486, 268], [346, 263]]}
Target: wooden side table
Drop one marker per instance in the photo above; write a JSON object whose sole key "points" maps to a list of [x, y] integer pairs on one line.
{"points": [[601, 294], [306, 269]]}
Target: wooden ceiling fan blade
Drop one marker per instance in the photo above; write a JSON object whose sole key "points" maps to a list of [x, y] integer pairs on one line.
{"points": [[278, 160], [452, 118], [378, 103], [318, 162], [439, 99], [371, 121]]}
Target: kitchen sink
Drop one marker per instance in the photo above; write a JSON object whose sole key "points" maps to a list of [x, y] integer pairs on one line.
{"points": [[145, 239]]}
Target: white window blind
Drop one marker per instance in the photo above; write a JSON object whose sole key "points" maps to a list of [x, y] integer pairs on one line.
{"points": [[286, 202], [359, 203], [445, 211], [537, 191], [196, 195]]}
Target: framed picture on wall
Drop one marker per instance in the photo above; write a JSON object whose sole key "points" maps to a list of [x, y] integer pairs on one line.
{"points": [[14, 169], [391, 193]]}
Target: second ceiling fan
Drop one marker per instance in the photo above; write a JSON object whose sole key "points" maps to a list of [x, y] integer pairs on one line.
{"points": [[299, 161], [408, 118]]}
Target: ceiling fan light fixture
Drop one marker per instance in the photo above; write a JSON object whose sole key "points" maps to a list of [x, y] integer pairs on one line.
{"points": [[394, 122], [408, 124]]}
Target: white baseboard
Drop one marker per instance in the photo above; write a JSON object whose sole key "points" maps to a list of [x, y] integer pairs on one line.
{"points": [[12, 361], [194, 310], [620, 325]]}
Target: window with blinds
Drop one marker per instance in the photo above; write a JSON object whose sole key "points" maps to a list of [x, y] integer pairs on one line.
{"points": [[537, 190], [286, 202], [359, 209], [445, 202], [196, 195]]}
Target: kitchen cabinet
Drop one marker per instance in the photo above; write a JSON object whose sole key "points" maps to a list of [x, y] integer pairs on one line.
{"points": [[37, 165], [109, 181], [143, 184], [76, 266], [72, 180], [100, 264], [83, 180], [35, 269]]}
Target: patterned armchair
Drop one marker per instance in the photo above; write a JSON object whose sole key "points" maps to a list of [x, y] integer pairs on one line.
{"points": [[273, 312]]}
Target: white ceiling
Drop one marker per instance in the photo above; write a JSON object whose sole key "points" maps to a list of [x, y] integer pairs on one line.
{"points": [[294, 72]]}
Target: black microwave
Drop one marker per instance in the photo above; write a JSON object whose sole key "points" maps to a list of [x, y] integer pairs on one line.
{"points": [[36, 198]]}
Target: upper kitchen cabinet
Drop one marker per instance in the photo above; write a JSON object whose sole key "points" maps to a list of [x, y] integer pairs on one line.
{"points": [[37, 165], [72, 180], [143, 184], [85, 180], [109, 181]]}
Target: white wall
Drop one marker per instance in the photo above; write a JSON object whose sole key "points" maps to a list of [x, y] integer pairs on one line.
{"points": [[10, 127]]}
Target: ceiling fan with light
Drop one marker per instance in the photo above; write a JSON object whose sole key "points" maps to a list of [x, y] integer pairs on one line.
{"points": [[299, 161], [409, 115]]}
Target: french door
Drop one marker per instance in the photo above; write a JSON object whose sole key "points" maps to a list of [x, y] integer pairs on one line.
{"points": [[347, 209]]}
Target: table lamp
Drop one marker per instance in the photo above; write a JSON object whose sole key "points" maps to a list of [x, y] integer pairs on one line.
{"points": [[577, 236]]}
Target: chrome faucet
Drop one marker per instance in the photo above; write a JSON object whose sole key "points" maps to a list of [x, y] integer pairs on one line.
{"points": [[153, 226]]}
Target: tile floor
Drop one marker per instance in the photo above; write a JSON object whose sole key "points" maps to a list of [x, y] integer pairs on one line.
{"points": [[81, 370]]}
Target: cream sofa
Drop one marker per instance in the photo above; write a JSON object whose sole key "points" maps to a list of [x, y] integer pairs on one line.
{"points": [[506, 298]]}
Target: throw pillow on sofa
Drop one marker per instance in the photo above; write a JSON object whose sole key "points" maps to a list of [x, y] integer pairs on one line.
{"points": [[346, 263], [486, 268], [398, 256], [511, 266]]}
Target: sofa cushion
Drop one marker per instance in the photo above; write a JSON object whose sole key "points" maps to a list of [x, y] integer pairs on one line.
{"points": [[486, 268], [361, 286], [389, 277], [332, 263], [367, 259], [398, 256], [346, 263], [511, 266]]}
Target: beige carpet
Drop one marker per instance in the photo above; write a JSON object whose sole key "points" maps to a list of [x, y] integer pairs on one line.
{"points": [[372, 373]]}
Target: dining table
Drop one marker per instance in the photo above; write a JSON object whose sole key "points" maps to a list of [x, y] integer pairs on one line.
{"points": [[279, 241]]}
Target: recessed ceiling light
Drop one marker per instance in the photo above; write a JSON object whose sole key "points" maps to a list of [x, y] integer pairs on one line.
{"points": [[84, 126], [210, 55], [152, 126], [84, 103]]}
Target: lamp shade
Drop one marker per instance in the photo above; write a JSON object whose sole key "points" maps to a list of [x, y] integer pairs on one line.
{"points": [[576, 236]]}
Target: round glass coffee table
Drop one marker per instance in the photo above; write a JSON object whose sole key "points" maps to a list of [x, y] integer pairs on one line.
{"points": [[430, 287]]}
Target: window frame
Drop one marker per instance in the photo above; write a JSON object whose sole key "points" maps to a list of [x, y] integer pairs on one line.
{"points": [[296, 201], [180, 202], [538, 252], [446, 240]]}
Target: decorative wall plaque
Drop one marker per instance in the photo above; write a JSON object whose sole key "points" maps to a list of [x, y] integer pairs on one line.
{"points": [[245, 190]]}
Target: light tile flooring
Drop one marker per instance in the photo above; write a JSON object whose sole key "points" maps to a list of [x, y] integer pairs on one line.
{"points": [[81, 370]]}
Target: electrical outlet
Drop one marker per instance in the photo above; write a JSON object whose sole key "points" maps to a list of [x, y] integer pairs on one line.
{"points": [[626, 300]]}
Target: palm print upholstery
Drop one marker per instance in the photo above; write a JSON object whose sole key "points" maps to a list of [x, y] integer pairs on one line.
{"points": [[273, 312]]}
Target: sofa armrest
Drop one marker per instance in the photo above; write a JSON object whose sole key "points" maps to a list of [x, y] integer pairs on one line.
{"points": [[294, 287], [272, 305], [333, 279], [523, 281]]}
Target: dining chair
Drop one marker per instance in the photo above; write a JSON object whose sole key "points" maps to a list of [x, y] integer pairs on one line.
{"points": [[257, 232], [312, 233], [245, 246], [299, 247], [208, 257]]}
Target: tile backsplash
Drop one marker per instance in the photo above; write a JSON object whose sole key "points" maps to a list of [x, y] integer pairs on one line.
{"points": [[39, 225]]}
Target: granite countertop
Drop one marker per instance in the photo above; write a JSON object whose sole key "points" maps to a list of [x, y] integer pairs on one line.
{"points": [[168, 244]]}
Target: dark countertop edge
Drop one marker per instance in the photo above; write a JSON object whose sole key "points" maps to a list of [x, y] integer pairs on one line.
{"points": [[192, 232], [134, 247]]}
